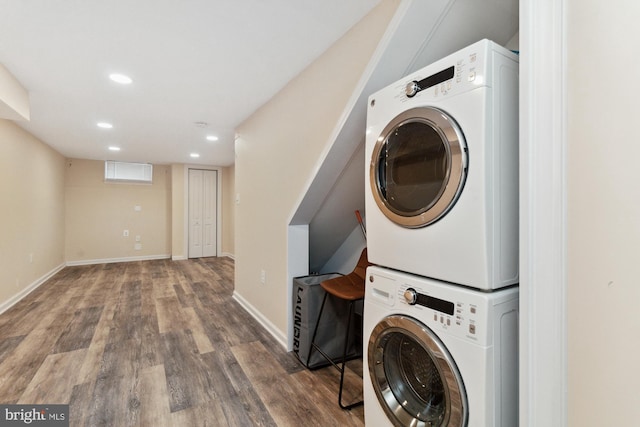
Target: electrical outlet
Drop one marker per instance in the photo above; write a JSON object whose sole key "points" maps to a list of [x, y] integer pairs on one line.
{"points": [[263, 277], [125, 233], [138, 238], [137, 247]]}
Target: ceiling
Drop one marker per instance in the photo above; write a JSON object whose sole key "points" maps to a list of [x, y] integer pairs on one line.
{"points": [[199, 68]]}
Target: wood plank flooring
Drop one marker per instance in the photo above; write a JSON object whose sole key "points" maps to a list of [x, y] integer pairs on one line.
{"points": [[160, 343]]}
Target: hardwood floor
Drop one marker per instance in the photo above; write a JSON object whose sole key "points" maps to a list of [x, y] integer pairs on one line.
{"points": [[159, 343]]}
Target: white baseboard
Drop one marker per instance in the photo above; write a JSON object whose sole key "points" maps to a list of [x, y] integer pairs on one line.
{"points": [[112, 260], [270, 327], [182, 257], [26, 291]]}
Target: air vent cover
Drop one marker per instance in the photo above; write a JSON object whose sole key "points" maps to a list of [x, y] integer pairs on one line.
{"points": [[128, 172]]}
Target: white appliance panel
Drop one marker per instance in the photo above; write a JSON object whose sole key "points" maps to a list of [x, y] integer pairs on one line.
{"points": [[481, 337], [476, 242]]}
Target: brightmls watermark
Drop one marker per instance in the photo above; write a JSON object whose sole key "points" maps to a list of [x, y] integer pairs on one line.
{"points": [[34, 415]]}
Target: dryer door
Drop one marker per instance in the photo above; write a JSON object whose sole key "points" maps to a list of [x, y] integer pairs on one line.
{"points": [[414, 376], [418, 167]]}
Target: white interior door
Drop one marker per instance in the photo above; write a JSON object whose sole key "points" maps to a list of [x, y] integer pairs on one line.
{"points": [[203, 185], [209, 216]]}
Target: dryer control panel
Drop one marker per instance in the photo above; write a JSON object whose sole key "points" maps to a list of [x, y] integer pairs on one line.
{"points": [[415, 86], [462, 71]]}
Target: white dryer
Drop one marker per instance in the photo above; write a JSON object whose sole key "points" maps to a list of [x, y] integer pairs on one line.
{"points": [[438, 354], [442, 185]]}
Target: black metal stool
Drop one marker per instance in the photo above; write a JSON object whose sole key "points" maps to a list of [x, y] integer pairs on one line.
{"points": [[348, 288]]}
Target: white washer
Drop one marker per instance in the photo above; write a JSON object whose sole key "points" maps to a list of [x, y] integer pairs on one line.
{"points": [[442, 186], [448, 358]]}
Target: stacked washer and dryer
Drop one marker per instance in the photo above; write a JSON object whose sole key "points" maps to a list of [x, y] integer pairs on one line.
{"points": [[441, 304]]}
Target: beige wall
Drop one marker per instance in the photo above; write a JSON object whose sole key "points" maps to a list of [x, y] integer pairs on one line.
{"points": [[31, 210], [178, 201], [276, 151], [228, 211], [97, 213], [603, 203]]}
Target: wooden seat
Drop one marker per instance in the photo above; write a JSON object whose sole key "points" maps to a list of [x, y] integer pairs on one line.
{"points": [[350, 288]]}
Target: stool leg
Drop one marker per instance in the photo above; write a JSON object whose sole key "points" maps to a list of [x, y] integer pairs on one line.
{"points": [[314, 346], [315, 330], [344, 361]]}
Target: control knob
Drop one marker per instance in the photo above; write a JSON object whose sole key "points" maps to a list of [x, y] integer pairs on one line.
{"points": [[411, 296], [412, 88]]}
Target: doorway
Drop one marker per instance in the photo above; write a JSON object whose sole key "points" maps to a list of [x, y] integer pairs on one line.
{"points": [[202, 215]]}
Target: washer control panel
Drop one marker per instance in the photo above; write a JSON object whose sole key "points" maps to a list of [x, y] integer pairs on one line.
{"points": [[459, 315], [445, 308]]}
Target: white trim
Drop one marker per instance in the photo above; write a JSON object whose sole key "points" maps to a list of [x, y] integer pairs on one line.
{"points": [[543, 214], [112, 260], [228, 255], [270, 327], [178, 258], [26, 291]]}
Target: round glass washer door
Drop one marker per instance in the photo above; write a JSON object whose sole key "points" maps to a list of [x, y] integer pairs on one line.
{"points": [[414, 377], [418, 167]]}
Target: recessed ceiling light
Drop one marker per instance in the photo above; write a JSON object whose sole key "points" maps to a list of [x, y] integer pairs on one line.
{"points": [[212, 138], [105, 125], [120, 78], [194, 155], [113, 148]]}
